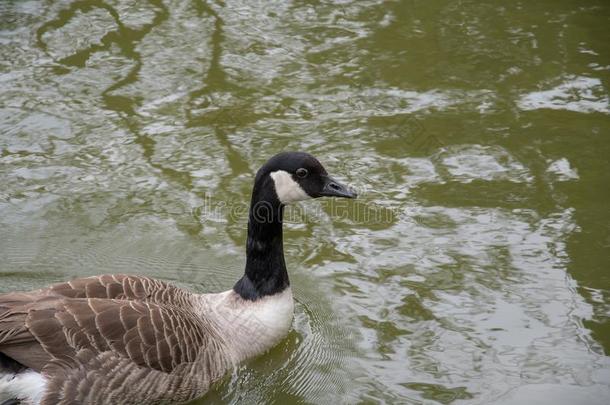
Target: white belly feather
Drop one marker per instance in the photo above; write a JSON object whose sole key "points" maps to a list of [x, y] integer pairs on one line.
{"points": [[28, 386]]}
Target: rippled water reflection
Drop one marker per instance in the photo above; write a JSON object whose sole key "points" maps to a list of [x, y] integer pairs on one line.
{"points": [[472, 270]]}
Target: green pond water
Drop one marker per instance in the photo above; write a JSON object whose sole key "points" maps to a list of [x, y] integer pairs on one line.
{"points": [[473, 269]]}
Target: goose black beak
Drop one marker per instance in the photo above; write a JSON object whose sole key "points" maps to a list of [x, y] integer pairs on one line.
{"points": [[332, 188]]}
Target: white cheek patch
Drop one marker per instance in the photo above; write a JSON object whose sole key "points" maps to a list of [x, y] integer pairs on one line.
{"points": [[287, 189]]}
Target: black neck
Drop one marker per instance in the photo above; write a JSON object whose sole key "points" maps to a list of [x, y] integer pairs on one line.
{"points": [[265, 266]]}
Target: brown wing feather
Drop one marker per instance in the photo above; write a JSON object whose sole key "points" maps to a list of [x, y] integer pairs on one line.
{"points": [[107, 378], [120, 286], [35, 330], [113, 339]]}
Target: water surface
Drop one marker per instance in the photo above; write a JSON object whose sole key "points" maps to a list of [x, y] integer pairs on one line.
{"points": [[474, 267]]}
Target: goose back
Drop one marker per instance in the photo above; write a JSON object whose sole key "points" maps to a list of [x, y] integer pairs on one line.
{"points": [[84, 329]]}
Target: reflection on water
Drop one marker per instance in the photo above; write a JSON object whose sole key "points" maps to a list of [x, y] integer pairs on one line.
{"points": [[474, 267], [580, 94]]}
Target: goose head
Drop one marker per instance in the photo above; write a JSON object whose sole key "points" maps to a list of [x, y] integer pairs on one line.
{"points": [[298, 176], [285, 178]]}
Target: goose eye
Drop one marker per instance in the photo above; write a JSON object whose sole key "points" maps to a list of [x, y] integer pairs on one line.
{"points": [[302, 173]]}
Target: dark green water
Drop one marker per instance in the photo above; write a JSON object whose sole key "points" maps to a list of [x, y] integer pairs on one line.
{"points": [[474, 268]]}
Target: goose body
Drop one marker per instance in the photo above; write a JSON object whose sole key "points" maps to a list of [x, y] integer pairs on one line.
{"points": [[131, 339]]}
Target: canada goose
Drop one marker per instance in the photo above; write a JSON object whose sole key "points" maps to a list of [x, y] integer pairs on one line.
{"points": [[123, 339]]}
